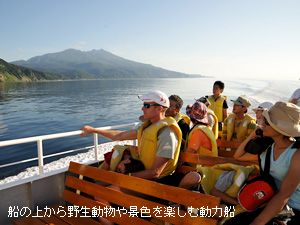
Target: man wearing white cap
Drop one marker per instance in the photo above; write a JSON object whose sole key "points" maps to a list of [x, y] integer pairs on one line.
{"points": [[239, 125], [259, 110], [159, 137]]}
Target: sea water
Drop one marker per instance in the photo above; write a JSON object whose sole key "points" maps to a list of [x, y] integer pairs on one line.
{"points": [[33, 109]]}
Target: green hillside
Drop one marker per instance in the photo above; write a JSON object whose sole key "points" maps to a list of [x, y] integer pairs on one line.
{"points": [[10, 72]]}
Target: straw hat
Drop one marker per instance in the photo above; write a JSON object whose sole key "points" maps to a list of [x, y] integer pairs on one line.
{"points": [[284, 117], [197, 111]]}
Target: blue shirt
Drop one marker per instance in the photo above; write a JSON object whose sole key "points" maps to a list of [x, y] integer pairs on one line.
{"points": [[279, 169]]}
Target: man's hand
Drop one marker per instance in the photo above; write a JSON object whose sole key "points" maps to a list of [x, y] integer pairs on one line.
{"points": [[294, 101], [87, 130]]}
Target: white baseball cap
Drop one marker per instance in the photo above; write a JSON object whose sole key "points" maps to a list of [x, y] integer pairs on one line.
{"points": [[263, 106], [156, 96]]}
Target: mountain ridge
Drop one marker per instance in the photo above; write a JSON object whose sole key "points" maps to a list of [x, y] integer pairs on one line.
{"points": [[95, 64]]}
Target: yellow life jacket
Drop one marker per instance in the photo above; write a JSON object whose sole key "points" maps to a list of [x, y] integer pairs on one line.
{"points": [[147, 143], [211, 136], [211, 174], [118, 155], [242, 129], [215, 128], [217, 105], [181, 116]]}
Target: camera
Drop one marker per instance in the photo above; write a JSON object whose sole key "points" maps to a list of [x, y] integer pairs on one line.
{"points": [[259, 144], [259, 132]]}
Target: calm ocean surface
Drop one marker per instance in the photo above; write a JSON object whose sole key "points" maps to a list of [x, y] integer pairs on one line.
{"points": [[33, 109]]}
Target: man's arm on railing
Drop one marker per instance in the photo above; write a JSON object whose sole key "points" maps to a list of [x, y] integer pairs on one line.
{"points": [[114, 135]]}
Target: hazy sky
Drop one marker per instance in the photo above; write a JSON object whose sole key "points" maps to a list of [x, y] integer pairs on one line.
{"points": [[221, 38]]}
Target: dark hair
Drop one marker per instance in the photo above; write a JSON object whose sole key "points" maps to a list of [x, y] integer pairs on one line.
{"points": [[134, 166], [220, 84], [178, 100], [195, 122], [296, 143], [246, 109]]}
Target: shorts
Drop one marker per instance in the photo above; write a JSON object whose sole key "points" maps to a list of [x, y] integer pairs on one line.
{"points": [[172, 179]]}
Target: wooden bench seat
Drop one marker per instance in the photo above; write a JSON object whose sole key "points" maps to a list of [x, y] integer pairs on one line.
{"points": [[149, 208], [81, 192]]}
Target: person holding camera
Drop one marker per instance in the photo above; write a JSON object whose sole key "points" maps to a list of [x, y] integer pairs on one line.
{"points": [[281, 124]]}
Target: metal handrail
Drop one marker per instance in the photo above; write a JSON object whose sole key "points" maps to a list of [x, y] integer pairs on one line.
{"points": [[40, 139]]}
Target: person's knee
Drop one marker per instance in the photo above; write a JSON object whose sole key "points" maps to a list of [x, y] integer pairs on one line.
{"points": [[195, 179], [191, 179]]}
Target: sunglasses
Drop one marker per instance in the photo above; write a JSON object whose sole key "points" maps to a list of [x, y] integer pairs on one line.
{"points": [[266, 122], [147, 106]]}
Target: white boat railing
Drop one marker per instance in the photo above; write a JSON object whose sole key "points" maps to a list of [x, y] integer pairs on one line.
{"points": [[40, 139]]}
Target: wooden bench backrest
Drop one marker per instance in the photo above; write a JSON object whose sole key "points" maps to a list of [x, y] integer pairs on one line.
{"points": [[222, 144], [146, 187], [204, 160], [228, 144]]}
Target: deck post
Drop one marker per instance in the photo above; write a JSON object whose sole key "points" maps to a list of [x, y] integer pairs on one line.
{"points": [[96, 146], [133, 127], [40, 157]]}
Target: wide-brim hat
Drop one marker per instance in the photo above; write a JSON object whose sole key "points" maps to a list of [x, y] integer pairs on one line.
{"points": [[263, 106], [197, 111], [284, 117], [158, 97]]}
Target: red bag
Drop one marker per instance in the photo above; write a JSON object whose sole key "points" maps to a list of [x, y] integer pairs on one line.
{"points": [[256, 191]]}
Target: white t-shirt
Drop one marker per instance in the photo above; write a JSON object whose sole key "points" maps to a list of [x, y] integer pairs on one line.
{"points": [[296, 95]]}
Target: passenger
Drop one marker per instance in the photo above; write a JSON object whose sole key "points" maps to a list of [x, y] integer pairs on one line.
{"points": [[212, 118], [159, 138], [222, 180], [218, 103], [238, 125], [114, 157], [201, 139], [295, 98], [281, 123], [125, 166], [122, 160], [174, 111], [128, 166], [259, 110], [183, 120]]}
